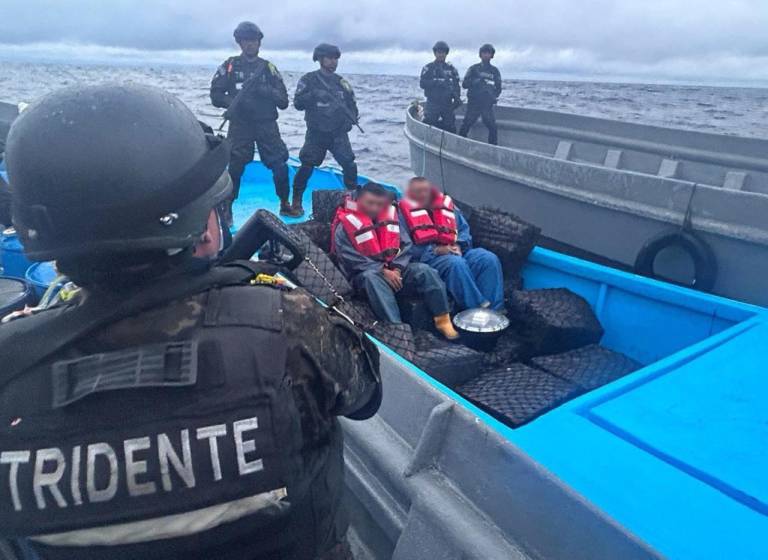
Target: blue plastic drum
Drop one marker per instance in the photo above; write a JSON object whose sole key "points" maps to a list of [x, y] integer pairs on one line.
{"points": [[15, 262], [41, 275], [15, 293]]}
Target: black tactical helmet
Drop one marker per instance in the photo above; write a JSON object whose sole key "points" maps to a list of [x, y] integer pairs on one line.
{"points": [[441, 46], [248, 31], [112, 169], [488, 48], [325, 50]]}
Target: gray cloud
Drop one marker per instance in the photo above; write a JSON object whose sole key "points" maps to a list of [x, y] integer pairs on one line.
{"points": [[694, 37]]}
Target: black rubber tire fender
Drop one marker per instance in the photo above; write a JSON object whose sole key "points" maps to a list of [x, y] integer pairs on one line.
{"points": [[704, 260]]}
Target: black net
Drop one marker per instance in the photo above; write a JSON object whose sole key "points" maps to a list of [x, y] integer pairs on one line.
{"points": [[359, 312], [509, 237], [319, 275], [519, 393], [551, 321], [589, 367], [318, 232], [397, 336], [451, 364], [325, 203]]}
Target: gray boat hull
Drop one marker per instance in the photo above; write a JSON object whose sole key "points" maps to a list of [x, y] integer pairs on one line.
{"points": [[595, 191], [435, 482]]}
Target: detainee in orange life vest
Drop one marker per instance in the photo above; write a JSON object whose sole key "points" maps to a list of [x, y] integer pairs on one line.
{"points": [[374, 251], [443, 241]]}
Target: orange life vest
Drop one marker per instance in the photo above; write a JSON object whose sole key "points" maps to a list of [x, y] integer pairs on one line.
{"points": [[379, 240], [436, 224]]}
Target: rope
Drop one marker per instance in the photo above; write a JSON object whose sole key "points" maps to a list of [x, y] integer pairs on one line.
{"points": [[687, 224], [440, 159]]}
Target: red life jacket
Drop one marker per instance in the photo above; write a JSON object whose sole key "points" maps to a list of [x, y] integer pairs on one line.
{"points": [[379, 240], [436, 224]]}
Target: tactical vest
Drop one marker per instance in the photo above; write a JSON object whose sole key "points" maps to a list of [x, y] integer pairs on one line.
{"points": [[185, 446], [379, 240], [240, 71], [436, 224], [483, 88], [327, 114], [442, 82]]}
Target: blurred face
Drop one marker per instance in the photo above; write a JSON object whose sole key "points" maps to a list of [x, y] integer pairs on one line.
{"points": [[486, 56], [372, 205], [420, 192], [440, 56], [250, 47], [329, 64]]}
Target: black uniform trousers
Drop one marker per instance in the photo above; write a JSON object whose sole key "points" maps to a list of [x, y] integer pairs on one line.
{"points": [[317, 143], [486, 112], [440, 115], [272, 152]]}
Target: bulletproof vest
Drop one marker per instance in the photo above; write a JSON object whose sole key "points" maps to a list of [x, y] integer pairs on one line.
{"points": [[185, 443], [239, 71], [483, 87], [442, 85], [328, 115]]}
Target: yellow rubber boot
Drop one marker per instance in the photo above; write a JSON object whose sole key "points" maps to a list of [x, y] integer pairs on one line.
{"points": [[444, 325]]}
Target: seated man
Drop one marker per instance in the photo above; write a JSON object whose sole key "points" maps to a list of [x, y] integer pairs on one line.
{"points": [[442, 240], [375, 254]]}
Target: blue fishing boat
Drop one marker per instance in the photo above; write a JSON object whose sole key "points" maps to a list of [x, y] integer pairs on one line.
{"points": [[668, 461]]}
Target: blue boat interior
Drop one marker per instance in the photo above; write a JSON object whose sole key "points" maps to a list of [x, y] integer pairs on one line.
{"points": [[690, 427]]}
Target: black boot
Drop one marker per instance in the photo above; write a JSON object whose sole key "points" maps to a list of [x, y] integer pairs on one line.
{"points": [[285, 208], [298, 209]]}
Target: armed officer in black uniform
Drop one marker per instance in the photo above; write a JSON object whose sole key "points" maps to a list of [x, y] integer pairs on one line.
{"points": [[440, 82], [179, 408], [483, 85], [330, 110], [252, 90]]}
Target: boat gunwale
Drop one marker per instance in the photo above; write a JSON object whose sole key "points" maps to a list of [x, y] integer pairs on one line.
{"points": [[599, 198]]}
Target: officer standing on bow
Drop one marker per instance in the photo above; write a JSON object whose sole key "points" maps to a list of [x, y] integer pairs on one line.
{"points": [[252, 90], [178, 408], [330, 110], [440, 82], [483, 85]]}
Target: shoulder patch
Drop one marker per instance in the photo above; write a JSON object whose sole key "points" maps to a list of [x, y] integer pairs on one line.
{"points": [[345, 84]]}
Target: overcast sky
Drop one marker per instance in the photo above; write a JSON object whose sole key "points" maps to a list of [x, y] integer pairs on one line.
{"points": [[721, 41]]}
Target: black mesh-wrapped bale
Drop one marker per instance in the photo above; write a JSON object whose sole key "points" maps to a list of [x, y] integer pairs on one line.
{"points": [[320, 277], [551, 321], [509, 237], [590, 367], [325, 202], [360, 312], [451, 364], [318, 232], [398, 336], [518, 394]]}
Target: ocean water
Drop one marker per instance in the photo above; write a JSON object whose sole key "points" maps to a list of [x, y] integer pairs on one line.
{"points": [[383, 151]]}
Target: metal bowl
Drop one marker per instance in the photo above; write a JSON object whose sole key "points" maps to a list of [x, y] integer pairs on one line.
{"points": [[480, 328]]}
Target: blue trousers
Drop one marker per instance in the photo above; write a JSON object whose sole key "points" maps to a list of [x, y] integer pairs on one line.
{"points": [[472, 279], [418, 279]]}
